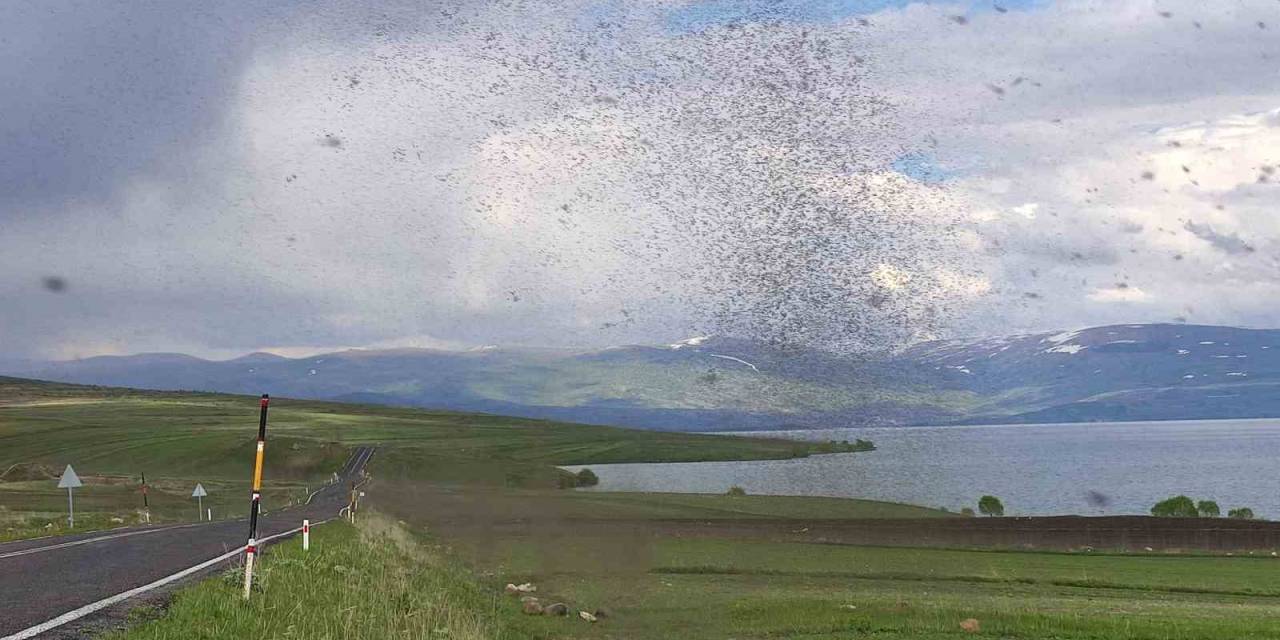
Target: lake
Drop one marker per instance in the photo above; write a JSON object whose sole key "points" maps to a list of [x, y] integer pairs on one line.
{"points": [[1034, 469]]}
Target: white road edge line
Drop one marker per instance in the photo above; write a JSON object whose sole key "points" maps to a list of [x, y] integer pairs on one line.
{"points": [[76, 614], [63, 545]]}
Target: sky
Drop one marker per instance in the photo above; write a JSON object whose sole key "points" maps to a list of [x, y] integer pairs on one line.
{"points": [[848, 174]]}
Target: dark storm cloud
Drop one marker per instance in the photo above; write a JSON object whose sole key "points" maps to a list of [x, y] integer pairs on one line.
{"points": [[95, 92]]}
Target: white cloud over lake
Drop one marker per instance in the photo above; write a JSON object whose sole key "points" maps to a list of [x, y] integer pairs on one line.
{"points": [[591, 173]]}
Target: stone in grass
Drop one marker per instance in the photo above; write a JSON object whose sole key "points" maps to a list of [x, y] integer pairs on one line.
{"points": [[528, 599], [557, 609], [516, 589], [601, 613], [589, 617], [970, 625], [532, 608]]}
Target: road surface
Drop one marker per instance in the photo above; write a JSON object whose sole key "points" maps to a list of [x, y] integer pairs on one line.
{"points": [[45, 580]]}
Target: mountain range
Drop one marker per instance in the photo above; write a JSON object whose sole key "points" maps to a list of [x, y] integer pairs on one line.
{"points": [[1120, 372]]}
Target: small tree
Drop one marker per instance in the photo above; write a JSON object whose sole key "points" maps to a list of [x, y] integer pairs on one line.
{"points": [[967, 512], [1208, 509], [735, 490], [1242, 513], [587, 478], [1175, 507], [990, 506]]}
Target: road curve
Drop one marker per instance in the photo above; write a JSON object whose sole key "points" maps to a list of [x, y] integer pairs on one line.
{"points": [[43, 579]]}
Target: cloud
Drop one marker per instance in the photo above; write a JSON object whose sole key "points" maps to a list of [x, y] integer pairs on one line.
{"points": [[304, 177], [1123, 294], [594, 184], [1229, 243], [702, 14]]}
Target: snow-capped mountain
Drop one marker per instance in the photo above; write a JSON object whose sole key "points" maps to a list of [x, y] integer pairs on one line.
{"points": [[1160, 371]]}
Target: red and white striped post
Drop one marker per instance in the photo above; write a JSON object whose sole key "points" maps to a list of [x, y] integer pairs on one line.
{"points": [[306, 535]]}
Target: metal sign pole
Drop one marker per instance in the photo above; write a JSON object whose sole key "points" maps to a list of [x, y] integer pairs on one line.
{"points": [[69, 481], [254, 506], [199, 493]]}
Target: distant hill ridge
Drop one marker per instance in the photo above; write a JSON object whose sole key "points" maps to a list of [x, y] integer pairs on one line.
{"points": [[1119, 372]]}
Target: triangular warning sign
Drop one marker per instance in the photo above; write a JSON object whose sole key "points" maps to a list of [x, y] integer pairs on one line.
{"points": [[199, 492], [69, 479]]}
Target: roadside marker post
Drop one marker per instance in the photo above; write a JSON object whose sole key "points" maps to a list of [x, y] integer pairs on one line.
{"points": [[146, 503], [69, 481], [250, 549], [306, 535], [199, 493]]}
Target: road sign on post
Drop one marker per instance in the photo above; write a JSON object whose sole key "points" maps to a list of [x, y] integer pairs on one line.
{"points": [[69, 481], [250, 549], [199, 495]]}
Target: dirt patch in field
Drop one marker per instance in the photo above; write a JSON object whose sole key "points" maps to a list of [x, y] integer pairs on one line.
{"points": [[28, 471], [497, 514]]}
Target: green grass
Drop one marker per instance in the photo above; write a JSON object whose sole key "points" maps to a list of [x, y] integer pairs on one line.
{"points": [[652, 506], [371, 582], [482, 488], [191, 434], [112, 436], [709, 588]]}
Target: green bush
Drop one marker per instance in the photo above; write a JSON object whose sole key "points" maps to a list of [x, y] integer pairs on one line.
{"points": [[1175, 507], [735, 490], [1241, 513], [990, 506], [564, 479], [967, 512], [1208, 509], [587, 478]]}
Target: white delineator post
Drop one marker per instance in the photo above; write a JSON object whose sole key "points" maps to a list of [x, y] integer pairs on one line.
{"points": [[306, 535], [249, 550]]}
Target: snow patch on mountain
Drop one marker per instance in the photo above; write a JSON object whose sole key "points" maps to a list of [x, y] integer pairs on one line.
{"points": [[1059, 338], [1066, 348], [689, 342]]}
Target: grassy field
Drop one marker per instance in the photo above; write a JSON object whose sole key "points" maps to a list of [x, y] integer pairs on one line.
{"points": [[750, 589], [374, 581], [113, 436], [480, 509], [646, 559]]}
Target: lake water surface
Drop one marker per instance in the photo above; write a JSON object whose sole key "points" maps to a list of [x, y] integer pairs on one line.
{"points": [[1034, 469]]}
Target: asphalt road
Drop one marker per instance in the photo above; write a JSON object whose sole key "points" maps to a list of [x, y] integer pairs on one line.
{"points": [[43, 579]]}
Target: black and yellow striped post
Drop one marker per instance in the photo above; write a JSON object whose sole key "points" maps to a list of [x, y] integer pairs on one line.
{"points": [[251, 549]]}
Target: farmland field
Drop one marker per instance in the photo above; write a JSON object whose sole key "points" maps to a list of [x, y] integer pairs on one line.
{"points": [[478, 498]]}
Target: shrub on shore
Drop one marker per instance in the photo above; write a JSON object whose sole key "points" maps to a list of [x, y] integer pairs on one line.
{"points": [[1176, 507], [587, 478], [736, 491], [1241, 513], [990, 506], [1208, 509]]}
